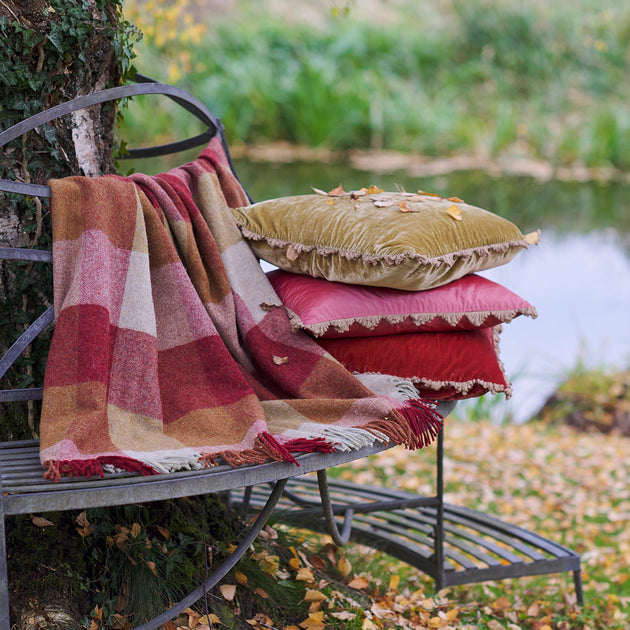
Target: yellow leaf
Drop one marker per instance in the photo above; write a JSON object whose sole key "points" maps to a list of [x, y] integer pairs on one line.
{"points": [[532, 238], [241, 578], [40, 521], [454, 212], [394, 582], [344, 567], [452, 614], [228, 591], [359, 583], [374, 190], [428, 194], [136, 528], [152, 568], [270, 565], [330, 202], [294, 563], [261, 593], [314, 596], [280, 360], [315, 621], [405, 207], [502, 603], [455, 199], [305, 575], [209, 619], [337, 192], [165, 533], [292, 253]]}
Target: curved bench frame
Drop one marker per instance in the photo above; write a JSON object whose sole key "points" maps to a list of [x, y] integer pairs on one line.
{"points": [[23, 489]]}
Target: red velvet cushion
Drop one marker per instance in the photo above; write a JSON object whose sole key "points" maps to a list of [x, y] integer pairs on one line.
{"points": [[333, 309], [442, 365]]}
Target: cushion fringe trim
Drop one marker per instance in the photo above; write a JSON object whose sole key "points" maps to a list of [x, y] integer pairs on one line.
{"points": [[476, 318], [390, 259]]}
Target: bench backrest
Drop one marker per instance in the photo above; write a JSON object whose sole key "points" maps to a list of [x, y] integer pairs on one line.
{"points": [[144, 85]]}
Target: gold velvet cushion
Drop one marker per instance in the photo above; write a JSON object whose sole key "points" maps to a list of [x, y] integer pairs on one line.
{"points": [[398, 240]]}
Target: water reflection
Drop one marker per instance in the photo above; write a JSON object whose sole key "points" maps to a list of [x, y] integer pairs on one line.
{"points": [[580, 284]]}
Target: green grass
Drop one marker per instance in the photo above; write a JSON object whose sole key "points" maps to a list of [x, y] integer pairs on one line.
{"points": [[502, 77]]}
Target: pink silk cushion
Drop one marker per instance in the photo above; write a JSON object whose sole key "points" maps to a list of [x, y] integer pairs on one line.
{"points": [[442, 365], [333, 309]]}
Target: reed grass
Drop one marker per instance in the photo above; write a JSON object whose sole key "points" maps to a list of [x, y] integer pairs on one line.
{"points": [[497, 78]]}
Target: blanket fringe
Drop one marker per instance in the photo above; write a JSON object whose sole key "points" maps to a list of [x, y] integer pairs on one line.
{"points": [[424, 421], [415, 424], [54, 469], [309, 445]]}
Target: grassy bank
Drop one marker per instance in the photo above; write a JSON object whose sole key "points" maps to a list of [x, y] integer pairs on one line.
{"points": [[497, 78]]}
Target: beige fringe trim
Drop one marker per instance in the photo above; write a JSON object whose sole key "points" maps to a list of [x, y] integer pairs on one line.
{"points": [[444, 259], [476, 318]]}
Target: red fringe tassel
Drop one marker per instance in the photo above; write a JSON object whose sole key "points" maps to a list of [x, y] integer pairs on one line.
{"points": [[424, 421]]}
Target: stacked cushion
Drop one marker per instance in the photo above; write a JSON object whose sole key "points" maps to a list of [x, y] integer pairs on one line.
{"points": [[386, 282], [398, 240]]}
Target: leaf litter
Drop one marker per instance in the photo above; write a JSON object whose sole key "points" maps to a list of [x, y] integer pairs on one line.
{"points": [[571, 487]]}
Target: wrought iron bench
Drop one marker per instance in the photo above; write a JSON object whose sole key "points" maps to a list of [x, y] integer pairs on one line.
{"points": [[453, 545]]}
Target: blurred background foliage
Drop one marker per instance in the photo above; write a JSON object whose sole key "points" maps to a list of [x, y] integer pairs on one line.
{"points": [[495, 78]]}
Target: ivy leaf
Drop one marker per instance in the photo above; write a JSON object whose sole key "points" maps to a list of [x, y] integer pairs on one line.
{"points": [[54, 40]]}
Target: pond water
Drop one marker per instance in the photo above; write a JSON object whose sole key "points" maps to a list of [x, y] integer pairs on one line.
{"points": [[578, 277]]}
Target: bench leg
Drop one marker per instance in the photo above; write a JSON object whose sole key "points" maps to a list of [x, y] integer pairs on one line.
{"points": [[5, 622]]}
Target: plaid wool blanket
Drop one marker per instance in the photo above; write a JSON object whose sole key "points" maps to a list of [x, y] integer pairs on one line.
{"points": [[171, 350]]}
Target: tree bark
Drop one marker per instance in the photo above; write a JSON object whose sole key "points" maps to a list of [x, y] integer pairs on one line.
{"points": [[51, 52]]}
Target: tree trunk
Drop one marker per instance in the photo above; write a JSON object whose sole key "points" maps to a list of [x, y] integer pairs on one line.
{"points": [[51, 52]]}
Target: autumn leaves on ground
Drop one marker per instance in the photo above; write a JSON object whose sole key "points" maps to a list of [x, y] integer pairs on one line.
{"points": [[572, 487]]}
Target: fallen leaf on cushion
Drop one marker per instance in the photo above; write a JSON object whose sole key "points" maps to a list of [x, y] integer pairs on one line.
{"points": [[337, 192], [319, 191], [456, 199], [405, 207], [40, 521], [292, 253], [269, 307], [280, 360], [372, 190], [381, 203], [428, 194], [330, 202], [355, 194], [454, 212], [532, 237]]}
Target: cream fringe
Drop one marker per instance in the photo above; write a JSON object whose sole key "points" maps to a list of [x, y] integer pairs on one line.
{"points": [[475, 318]]}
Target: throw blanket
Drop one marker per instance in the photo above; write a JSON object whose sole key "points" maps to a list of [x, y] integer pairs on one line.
{"points": [[171, 350]]}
